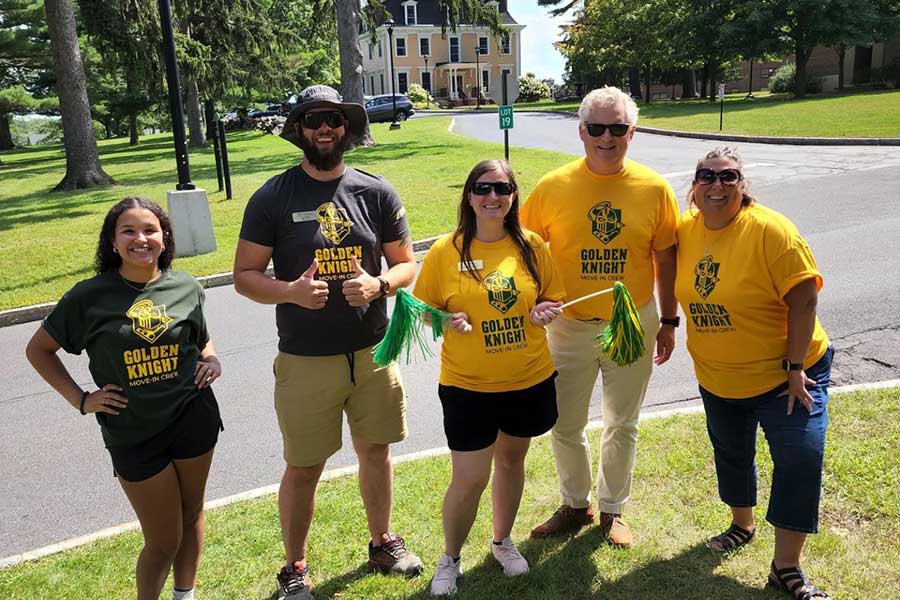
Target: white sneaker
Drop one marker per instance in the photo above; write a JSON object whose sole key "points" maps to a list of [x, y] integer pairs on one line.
{"points": [[510, 558], [445, 575]]}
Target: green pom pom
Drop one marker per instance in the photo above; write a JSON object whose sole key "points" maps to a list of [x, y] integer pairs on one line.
{"points": [[406, 329], [623, 338]]}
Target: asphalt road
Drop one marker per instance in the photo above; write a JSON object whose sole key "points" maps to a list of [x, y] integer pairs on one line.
{"points": [[56, 477]]}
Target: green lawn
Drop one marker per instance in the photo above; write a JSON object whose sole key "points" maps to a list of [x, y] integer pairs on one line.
{"points": [[47, 240], [674, 508], [858, 115]]}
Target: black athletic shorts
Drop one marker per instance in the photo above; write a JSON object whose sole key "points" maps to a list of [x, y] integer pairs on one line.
{"points": [[472, 419], [194, 432]]}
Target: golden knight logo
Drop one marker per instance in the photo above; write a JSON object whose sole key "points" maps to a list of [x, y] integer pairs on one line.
{"points": [[148, 321], [502, 292], [333, 222], [606, 221], [707, 276]]}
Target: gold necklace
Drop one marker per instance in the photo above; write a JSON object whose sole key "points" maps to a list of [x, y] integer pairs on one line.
{"points": [[134, 287]]}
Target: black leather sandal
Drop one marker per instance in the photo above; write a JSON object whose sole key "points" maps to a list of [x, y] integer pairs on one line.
{"points": [[731, 539], [794, 582]]}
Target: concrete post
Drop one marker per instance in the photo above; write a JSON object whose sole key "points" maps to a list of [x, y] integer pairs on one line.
{"points": [[191, 222]]}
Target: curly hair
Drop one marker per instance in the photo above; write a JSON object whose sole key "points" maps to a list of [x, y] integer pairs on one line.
{"points": [[106, 259], [465, 229]]}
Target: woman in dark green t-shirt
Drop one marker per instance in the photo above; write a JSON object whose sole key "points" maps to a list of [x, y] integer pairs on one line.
{"points": [[143, 329]]}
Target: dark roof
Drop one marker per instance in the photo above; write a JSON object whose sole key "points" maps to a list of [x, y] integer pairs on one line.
{"points": [[428, 12]]}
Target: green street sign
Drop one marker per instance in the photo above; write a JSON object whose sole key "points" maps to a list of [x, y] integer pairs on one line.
{"points": [[506, 116]]}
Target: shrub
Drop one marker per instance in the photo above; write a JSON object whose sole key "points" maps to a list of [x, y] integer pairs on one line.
{"points": [[782, 81], [418, 95], [890, 73], [531, 89]]}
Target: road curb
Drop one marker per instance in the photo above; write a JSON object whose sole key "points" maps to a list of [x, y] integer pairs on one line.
{"points": [[728, 137], [36, 312], [352, 469]]}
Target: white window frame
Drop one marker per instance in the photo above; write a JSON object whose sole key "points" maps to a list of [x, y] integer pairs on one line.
{"points": [[372, 84], [404, 72], [422, 74], [397, 46], [379, 47], [450, 49], [487, 45], [406, 6], [509, 43], [426, 38], [486, 81], [381, 81], [370, 50]]}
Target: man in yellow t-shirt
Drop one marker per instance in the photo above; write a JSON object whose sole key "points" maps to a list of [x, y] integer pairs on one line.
{"points": [[607, 219]]}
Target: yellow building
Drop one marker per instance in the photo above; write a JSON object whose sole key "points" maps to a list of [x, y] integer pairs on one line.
{"points": [[451, 66]]}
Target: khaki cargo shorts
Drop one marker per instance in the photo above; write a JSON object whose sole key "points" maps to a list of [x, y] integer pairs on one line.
{"points": [[312, 392]]}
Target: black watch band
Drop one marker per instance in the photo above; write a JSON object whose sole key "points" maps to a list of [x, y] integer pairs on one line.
{"points": [[385, 285], [673, 321], [789, 366]]}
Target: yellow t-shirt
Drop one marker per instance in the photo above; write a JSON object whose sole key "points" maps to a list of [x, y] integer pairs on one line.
{"points": [[603, 229], [731, 284], [504, 351]]}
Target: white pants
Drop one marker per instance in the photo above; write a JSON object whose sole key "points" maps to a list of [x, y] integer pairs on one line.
{"points": [[576, 353]]}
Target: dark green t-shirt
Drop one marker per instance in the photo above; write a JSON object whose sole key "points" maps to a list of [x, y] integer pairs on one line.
{"points": [[147, 342]]}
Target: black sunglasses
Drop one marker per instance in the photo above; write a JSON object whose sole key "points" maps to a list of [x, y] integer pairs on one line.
{"points": [[314, 120], [598, 129], [501, 188], [726, 176]]}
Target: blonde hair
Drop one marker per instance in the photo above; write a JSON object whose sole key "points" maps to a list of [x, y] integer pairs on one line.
{"points": [[605, 97]]}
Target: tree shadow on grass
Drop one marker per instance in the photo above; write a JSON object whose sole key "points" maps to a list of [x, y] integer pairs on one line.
{"points": [[331, 588], [83, 271], [566, 570]]}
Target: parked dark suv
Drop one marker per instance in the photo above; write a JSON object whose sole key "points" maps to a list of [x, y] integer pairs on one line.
{"points": [[381, 108]]}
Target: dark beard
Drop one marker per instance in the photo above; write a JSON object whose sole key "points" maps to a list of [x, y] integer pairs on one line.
{"points": [[323, 161]]}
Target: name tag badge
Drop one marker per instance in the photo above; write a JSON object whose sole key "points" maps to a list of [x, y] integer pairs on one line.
{"points": [[303, 217], [476, 264]]}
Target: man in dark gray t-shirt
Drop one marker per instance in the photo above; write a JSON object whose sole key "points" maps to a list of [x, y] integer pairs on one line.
{"points": [[326, 227]]}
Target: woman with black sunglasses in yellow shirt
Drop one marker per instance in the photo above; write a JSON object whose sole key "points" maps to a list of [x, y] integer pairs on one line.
{"points": [[748, 283], [496, 385]]}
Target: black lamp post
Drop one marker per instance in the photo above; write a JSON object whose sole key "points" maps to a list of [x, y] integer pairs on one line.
{"points": [[181, 155], [390, 30], [477, 74], [430, 85], [750, 84]]}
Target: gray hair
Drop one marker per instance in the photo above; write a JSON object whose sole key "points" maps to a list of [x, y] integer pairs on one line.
{"points": [[732, 154], [728, 152], [605, 97]]}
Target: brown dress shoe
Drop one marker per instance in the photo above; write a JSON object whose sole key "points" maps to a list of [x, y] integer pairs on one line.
{"points": [[565, 520], [615, 530]]}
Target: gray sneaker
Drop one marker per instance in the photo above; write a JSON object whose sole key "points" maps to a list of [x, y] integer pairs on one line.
{"points": [[294, 583], [510, 558], [392, 558]]}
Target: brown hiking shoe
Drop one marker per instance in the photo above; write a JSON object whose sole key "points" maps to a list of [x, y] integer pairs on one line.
{"points": [[615, 530], [392, 558], [565, 520]]}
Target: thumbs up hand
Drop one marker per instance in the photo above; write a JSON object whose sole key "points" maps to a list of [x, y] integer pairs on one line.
{"points": [[363, 288], [306, 291]]}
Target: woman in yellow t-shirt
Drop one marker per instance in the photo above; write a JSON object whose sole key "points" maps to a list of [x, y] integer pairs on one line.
{"points": [[748, 284], [496, 385]]}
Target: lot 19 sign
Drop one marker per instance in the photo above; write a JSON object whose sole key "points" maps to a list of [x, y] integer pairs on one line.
{"points": [[506, 117]]}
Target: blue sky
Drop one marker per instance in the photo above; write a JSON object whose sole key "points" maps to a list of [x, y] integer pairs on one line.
{"points": [[538, 54]]}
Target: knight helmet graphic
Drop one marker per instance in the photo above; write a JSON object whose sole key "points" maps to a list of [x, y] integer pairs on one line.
{"points": [[707, 276], [148, 321], [333, 222], [502, 292], [606, 221]]}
